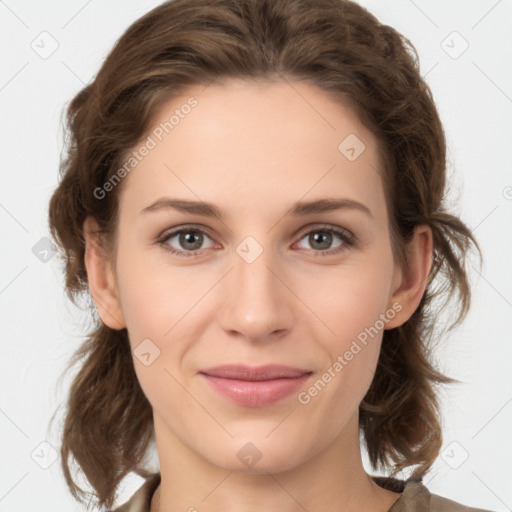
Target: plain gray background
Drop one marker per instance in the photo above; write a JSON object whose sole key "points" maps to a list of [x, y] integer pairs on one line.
{"points": [[49, 50]]}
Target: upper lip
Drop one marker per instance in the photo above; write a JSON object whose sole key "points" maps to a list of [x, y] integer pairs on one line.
{"points": [[254, 373]]}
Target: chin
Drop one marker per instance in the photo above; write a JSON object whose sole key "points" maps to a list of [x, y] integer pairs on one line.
{"points": [[259, 453]]}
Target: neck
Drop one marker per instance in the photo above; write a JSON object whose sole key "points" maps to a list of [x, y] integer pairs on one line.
{"points": [[334, 479]]}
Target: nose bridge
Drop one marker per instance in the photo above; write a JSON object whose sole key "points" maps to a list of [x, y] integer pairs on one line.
{"points": [[258, 304]]}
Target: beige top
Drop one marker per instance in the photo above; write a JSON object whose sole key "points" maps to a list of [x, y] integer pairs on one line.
{"points": [[415, 497]]}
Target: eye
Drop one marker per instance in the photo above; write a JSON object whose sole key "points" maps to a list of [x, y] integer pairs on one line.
{"points": [[190, 239], [321, 238]]}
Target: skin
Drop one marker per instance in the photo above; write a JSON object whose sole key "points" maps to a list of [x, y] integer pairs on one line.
{"points": [[254, 149]]}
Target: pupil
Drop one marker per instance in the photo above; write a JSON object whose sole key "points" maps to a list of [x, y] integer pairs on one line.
{"points": [[317, 238], [187, 238]]}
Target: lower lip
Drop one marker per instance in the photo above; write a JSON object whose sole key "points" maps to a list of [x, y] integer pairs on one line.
{"points": [[256, 393]]}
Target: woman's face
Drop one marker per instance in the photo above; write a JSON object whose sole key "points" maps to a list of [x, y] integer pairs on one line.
{"points": [[274, 279]]}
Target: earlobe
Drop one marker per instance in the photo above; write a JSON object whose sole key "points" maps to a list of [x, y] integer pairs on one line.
{"points": [[410, 283], [101, 278]]}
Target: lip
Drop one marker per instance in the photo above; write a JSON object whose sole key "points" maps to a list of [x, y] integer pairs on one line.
{"points": [[259, 386]]}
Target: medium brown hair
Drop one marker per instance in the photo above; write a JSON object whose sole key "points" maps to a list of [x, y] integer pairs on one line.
{"points": [[337, 46]]}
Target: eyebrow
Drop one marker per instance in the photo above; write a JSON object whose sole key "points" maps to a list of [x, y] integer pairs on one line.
{"points": [[298, 209]]}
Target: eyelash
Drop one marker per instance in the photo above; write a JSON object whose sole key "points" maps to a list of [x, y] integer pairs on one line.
{"points": [[346, 236]]}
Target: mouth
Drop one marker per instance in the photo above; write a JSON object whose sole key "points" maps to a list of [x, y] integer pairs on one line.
{"points": [[259, 386]]}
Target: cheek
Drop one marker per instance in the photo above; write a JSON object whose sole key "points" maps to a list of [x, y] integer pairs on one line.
{"points": [[155, 298], [353, 298], [162, 314], [355, 307], [354, 312]]}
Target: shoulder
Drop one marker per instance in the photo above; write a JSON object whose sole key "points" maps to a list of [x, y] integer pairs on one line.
{"points": [[141, 500], [415, 497], [440, 504]]}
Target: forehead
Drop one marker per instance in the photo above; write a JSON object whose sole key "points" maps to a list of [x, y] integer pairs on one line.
{"points": [[248, 144]]}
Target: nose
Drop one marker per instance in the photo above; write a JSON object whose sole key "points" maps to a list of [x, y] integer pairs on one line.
{"points": [[258, 305]]}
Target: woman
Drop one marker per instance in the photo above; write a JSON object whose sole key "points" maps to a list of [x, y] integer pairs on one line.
{"points": [[253, 198]]}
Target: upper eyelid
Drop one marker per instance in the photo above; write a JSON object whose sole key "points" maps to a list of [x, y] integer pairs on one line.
{"points": [[174, 231]]}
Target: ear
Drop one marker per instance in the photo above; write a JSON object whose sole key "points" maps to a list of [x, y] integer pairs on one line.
{"points": [[100, 277], [410, 283]]}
